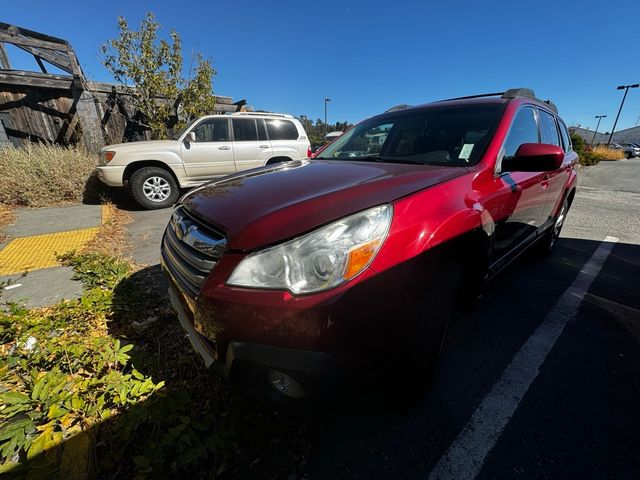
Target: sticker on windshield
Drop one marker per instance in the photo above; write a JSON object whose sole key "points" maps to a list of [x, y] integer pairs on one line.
{"points": [[465, 153]]}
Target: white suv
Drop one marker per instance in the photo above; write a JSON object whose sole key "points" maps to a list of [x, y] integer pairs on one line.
{"points": [[210, 147]]}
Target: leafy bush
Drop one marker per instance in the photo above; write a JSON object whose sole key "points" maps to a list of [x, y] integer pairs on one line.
{"points": [[42, 175], [584, 150], [72, 403]]}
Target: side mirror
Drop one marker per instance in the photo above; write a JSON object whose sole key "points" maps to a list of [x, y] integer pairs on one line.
{"points": [[534, 157], [190, 137]]}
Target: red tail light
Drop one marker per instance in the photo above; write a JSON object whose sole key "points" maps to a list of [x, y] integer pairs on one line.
{"points": [[309, 151]]}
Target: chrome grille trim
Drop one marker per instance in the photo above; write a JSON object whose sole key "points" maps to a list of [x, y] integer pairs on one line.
{"points": [[190, 251]]}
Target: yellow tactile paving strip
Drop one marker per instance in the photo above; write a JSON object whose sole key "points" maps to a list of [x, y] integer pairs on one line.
{"points": [[33, 253], [25, 254]]}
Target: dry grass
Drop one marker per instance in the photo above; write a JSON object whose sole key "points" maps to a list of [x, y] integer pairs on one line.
{"points": [[112, 238], [41, 175], [7, 217], [603, 153]]}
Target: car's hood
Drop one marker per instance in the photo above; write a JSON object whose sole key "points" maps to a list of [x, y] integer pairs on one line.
{"points": [[266, 205], [146, 146]]}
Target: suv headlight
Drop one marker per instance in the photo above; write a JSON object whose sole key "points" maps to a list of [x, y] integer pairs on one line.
{"points": [[318, 260], [106, 157]]}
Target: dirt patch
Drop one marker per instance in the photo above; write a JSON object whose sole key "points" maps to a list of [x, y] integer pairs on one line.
{"points": [[112, 238]]}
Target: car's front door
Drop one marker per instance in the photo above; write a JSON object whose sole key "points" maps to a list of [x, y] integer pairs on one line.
{"points": [[211, 155], [522, 196], [250, 145]]}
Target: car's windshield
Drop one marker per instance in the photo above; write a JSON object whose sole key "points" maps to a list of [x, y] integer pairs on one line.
{"points": [[446, 135], [185, 129]]}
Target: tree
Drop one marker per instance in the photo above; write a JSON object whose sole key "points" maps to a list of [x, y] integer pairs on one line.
{"points": [[151, 70]]}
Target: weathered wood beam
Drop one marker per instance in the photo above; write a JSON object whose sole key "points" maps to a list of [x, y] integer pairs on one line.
{"points": [[14, 30], [4, 59], [40, 64], [32, 42], [54, 58], [34, 79], [75, 65]]}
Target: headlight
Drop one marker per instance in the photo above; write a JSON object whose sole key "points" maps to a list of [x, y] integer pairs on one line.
{"points": [[319, 260], [107, 157]]}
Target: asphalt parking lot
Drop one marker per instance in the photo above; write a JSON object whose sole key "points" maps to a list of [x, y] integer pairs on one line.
{"points": [[541, 381]]}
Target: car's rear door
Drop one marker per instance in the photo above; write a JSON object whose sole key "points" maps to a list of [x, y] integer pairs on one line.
{"points": [[284, 135], [250, 145], [211, 155]]}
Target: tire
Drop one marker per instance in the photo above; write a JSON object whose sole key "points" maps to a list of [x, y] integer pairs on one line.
{"points": [[421, 360], [153, 188], [550, 238]]}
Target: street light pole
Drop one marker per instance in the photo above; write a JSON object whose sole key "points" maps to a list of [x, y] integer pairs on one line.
{"points": [[599, 117], [326, 100], [626, 90]]}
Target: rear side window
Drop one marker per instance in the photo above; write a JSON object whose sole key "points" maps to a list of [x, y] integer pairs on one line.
{"points": [[244, 130], [281, 130], [523, 130], [212, 130], [566, 140], [262, 131], [548, 129]]}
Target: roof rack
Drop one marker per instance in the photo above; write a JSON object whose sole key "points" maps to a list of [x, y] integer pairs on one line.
{"points": [[261, 114], [510, 93], [397, 107]]}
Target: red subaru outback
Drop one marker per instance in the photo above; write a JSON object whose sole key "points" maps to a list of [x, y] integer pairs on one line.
{"points": [[290, 277]]}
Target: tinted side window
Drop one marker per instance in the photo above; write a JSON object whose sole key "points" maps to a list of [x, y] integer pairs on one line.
{"points": [[548, 129], [281, 130], [523, 130], [244, 129], [212, 130], [262, 132], [566, 140]]}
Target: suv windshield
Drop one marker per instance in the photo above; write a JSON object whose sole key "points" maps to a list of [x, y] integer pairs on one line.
{"points": [[433, 136]]}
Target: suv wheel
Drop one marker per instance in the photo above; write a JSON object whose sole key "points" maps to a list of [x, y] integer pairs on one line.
{"points": [[153, 187], [551, 237]]}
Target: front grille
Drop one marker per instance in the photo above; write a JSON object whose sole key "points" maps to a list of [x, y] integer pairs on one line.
{"points": [[190, 250]]}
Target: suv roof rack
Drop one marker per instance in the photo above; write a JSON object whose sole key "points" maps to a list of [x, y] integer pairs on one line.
{"points": [[261, 114], [397, 107], [510, 93]]}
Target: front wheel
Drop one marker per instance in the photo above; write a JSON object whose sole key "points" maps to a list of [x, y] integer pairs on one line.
{"points": [[153, 188], [551, 237]]}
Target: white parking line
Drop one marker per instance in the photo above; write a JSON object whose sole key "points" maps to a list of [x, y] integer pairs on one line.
{"points": [[467, 453]]}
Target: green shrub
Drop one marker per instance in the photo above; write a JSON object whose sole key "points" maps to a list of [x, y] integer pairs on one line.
{"points": [[72, 403], [584, 150]]}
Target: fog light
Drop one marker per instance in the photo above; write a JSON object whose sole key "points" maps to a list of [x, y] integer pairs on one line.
{"points": [[285, 384]]}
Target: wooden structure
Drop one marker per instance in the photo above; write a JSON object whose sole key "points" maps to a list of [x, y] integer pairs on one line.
{"points": [[66, 108]]}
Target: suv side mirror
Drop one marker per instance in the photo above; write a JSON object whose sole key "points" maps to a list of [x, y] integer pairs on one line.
{"points": [[534, 157], [190, 137]]}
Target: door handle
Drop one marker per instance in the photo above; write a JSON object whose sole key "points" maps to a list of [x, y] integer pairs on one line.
{"points": [[224, 147], [545, 181], [263, 146]]}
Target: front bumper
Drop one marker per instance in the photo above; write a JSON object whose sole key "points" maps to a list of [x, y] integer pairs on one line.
{"points": [[111, 175], [247, 364]]}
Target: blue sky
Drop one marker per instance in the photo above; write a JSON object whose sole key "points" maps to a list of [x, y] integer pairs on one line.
{"points": [[367, 56]]}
